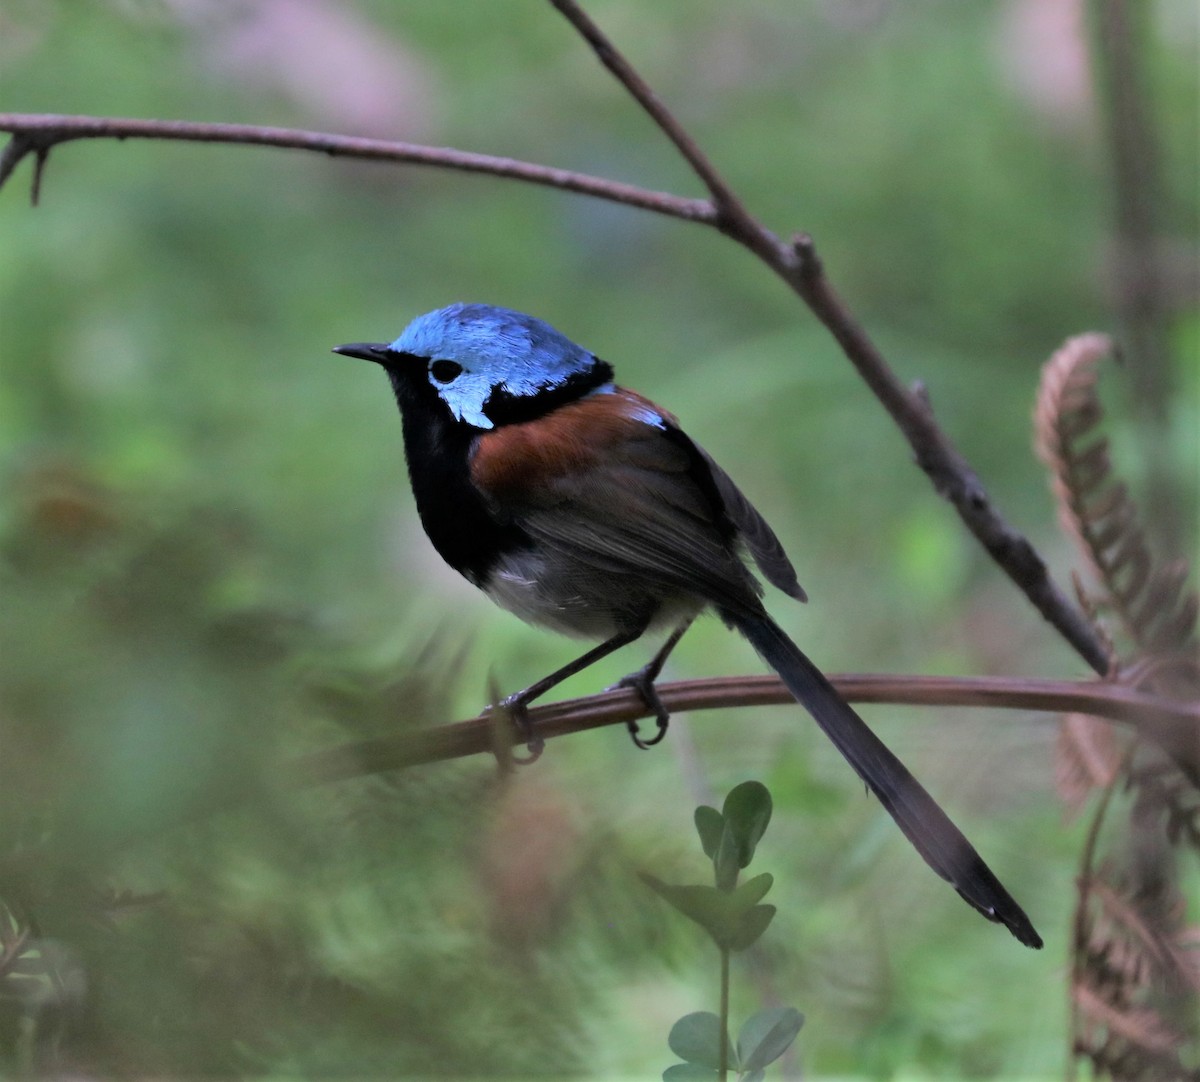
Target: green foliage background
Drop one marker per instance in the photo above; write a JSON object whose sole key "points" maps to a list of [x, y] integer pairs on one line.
{"points": [[211, 563]]}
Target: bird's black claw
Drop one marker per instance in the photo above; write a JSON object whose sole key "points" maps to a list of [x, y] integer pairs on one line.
{"points": [[642, 682], [657, 738], [514, 706]]}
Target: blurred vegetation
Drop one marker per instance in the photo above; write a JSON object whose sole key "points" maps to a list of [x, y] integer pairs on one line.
{"points": [[210, 563]]}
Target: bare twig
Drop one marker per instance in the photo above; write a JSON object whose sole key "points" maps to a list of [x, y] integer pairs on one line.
{"points": [[735, 220], [39, 133], [1158, 718], [14, 151], [951, 475]]}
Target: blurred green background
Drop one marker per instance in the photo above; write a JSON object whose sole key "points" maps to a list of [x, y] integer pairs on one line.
{"points": [[211, 562]]}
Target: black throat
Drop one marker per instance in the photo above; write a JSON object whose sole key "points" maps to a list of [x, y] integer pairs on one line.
{"points": [[462, 529]]}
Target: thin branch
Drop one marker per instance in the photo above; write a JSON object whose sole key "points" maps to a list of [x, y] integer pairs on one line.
{"points": [[14, 151], [726, 200], [1158, 718], [936, 454], [796, 263], [38, 133]]}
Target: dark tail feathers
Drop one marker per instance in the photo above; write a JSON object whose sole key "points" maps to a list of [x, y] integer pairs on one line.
{"points": [[916, 813]]}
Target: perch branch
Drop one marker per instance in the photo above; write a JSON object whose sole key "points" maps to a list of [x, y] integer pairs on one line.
{"points": [[1160, 719]]}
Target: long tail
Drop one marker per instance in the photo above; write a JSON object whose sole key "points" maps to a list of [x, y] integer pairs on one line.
{"points": [[929, 829]]}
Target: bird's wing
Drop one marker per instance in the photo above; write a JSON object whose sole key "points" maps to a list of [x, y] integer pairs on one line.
{"points": [[760, 539], [613, 482]]}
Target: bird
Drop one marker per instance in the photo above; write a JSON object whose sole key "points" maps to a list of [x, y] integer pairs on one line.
{"points": [[581, 506]]}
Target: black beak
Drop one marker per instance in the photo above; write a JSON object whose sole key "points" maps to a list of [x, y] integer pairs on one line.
{"points": [[368, 351]]}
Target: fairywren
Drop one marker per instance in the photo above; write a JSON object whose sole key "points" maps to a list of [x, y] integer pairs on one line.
{"points": [[581, 506]]}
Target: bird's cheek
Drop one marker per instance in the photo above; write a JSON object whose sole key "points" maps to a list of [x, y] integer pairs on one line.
{"points": [[467, 405]]}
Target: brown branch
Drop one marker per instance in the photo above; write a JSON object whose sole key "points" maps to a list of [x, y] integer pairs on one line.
{"points": [[1161, 719], [735, 219], [951, 475], [38, 133]]}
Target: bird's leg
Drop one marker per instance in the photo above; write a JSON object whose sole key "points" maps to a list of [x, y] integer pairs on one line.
{"points": [[642, 682], [517, 704]]}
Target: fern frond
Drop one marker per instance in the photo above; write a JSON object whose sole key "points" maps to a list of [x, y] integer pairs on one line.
{"points": [[1097, 510], [1164, 952], [1176, 798], [1087, 757], [1137, 1028]]}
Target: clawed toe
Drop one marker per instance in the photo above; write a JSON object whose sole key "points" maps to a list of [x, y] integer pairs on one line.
{"points": [[515, 706], [642, 682]]}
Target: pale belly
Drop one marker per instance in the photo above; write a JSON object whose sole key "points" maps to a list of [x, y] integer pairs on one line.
{"points": [[582, 601]]}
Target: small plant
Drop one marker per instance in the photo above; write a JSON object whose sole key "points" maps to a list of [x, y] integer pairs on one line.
{"points": [[734, 917]]}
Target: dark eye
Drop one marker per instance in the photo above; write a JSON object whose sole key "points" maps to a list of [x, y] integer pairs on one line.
{"points": [[445, 371]]}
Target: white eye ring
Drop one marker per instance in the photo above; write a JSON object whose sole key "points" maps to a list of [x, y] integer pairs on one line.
{"points": [[445, 371]]}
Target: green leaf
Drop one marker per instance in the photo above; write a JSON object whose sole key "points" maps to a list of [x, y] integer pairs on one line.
{"points": [[710, 824], [709, 907], [731, 918], [689, 1072], [766, 1036], [754, 1076], [747, 811], [696, 1038], [750, 925], [727, 862], [753, 890]]}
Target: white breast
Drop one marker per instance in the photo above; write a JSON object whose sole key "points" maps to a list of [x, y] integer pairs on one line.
{"points": [[577, 599]]}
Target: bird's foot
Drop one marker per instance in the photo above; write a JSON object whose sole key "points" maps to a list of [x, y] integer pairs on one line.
{"points": [[516, 708], [642, 682]]}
